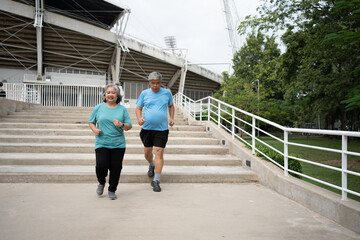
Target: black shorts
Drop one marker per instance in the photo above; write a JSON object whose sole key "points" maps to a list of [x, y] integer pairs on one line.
{"points": [[155, 138]]}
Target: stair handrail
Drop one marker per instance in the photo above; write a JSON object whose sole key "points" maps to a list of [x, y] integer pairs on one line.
{"points": [[212, 109]]}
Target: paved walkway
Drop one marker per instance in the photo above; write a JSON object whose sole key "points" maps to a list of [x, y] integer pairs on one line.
{"points": [[180, 211]]}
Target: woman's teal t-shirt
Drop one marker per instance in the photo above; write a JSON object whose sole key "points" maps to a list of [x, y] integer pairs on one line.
{"points": [[111, 136]]}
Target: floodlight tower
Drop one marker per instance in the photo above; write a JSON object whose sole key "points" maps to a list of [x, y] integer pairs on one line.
{"points": [[232, 21], [170, 42]]}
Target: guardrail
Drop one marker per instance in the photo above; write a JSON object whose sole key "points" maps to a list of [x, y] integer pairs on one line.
{"points": [[56, 94], [212, 109]]}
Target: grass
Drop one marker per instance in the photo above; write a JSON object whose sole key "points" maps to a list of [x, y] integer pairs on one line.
{"points": [[324, 157]]}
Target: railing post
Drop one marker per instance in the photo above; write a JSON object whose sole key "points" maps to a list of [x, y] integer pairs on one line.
{"points": [[201, 110], [208, 109], [219, 112], [344, 167], [253, 135], [233, 123], [286, 153], [80, 96]]}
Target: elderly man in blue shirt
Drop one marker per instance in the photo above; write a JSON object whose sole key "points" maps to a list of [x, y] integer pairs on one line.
{"points": [[154, 133]]}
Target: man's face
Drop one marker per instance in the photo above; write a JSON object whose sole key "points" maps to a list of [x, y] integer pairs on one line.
{"points": [[155, 85]]}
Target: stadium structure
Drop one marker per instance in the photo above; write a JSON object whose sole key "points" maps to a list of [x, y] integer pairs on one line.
{"points": [[83, 42]]}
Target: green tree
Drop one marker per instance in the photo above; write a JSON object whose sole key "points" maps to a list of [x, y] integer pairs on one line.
{"points": [[255, 69], [321, 64]]}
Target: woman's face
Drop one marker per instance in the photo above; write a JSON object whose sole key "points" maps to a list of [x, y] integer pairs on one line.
{"points": [[111, 95]]}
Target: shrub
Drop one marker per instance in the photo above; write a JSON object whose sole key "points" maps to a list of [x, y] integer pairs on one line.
{"points": [[293, 164]]}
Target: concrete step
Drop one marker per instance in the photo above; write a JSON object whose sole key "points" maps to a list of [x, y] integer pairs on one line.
{"points": [[59, 113], [130, 174], [178, 121], [63, 109], [129, 159], [36, 147], [91, 139], [88, 132], [85, 126], [89, 148]]}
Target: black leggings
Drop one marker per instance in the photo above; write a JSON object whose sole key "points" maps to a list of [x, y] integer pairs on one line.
{"points": [[109, 159]]}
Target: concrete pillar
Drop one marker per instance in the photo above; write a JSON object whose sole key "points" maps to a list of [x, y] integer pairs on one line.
{"points": [[117, 64], [39, 53], [174, 79], [182, 78], [39, 8]]}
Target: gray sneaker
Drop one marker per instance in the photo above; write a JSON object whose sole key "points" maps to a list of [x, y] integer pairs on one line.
{"points": [[151, 171], [156, 186], [100, 189], [112, 195]]}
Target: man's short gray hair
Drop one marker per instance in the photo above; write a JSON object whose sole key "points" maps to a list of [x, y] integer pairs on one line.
{"points": [[155, 76]]}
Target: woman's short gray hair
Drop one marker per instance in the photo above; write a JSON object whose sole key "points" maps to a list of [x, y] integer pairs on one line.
{"points": [[117, 89], [155, 76]]}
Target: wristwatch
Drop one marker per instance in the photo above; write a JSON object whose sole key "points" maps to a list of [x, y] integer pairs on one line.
{"points": [[122, 125]]}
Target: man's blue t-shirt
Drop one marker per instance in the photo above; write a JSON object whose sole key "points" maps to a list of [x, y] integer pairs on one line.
{"points": [[111, 136], [156, 105]]}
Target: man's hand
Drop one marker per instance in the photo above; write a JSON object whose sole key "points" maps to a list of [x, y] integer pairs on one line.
{"points": [[171, 122], [141, 121]]}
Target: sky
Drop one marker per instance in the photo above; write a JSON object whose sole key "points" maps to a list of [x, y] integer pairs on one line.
{"points": [[198, 26]]}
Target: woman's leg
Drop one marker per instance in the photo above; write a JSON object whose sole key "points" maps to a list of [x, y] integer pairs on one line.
{"points": [[116, 160], [102, 164]]}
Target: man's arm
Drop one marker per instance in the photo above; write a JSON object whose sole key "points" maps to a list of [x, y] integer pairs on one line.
{"points": [[172, 114], [138, 112]]}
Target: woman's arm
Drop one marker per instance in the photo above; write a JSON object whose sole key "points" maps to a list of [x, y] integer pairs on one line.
{"points": [[94, 129], [124, 126]]}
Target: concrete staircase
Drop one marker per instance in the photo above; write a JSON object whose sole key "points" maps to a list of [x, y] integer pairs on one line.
{"points": [[55, 144]]}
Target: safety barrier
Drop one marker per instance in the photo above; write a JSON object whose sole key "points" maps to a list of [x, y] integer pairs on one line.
{"points": [[55, 94], [227, 117]]}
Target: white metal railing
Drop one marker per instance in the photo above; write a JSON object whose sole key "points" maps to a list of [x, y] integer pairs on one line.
{"points": [[212, 109], [56, 94]]}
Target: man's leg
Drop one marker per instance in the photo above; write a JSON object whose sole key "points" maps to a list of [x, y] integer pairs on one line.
{"points": [[159, 159], [159, 163], [148, 153]]}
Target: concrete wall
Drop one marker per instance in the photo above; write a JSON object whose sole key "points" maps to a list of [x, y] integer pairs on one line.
{"points": [[7, 106], [322, 201], [14, 75], [77, 79]]}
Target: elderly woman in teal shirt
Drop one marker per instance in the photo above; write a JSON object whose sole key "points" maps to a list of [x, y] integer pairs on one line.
{"points": [[108, 121]]}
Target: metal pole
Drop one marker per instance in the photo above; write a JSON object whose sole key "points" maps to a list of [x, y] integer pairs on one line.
{"points": [[343, 167], [286, 153], [258, 88], [208, 109], [253, 135], [233, 123], [219, 114]]}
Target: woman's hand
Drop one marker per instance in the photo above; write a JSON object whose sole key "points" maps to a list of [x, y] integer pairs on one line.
{"points": [[117, 123], [97, 131], [94, 129]]}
